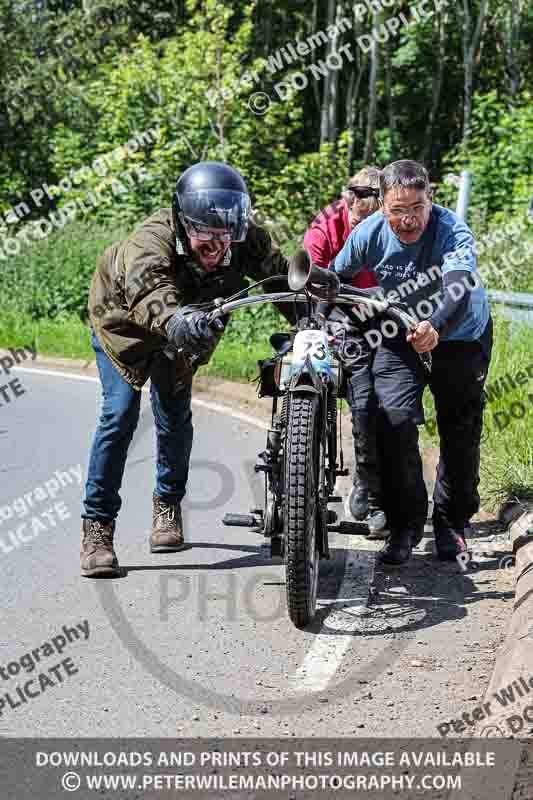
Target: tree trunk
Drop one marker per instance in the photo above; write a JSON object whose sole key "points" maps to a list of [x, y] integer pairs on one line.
{"points": [[438, 77], [390, 103], [312, 27], [512, 54], [333, 105], [352, 100], [470, 47], [267, 27], [219, 128], [326, 115], [372, 95], [358, 69]]}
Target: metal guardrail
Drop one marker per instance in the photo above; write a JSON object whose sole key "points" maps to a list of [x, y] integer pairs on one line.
{"points": [[515, 306]]}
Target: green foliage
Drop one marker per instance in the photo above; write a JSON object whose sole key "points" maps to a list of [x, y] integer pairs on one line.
{"points": [[506, 253], [499, 155], [292, 197], [51, 279]]}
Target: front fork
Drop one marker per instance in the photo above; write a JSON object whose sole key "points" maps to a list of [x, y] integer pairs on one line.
{"points": [[323, 478]]}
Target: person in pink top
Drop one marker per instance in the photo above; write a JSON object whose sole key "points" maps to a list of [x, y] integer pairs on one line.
{"points": [[325, 237], [323, 240]]}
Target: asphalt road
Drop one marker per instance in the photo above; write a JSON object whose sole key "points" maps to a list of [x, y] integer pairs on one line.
{"points": [[199, 643]]}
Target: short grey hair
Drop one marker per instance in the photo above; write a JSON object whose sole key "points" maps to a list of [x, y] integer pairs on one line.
{"points": [[406, 174]]}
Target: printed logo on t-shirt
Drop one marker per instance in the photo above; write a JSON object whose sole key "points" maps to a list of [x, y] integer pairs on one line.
{"points": [[398, 272]]}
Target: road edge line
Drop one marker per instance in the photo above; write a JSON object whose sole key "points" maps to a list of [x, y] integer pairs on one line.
{"points": [[218, 408]]}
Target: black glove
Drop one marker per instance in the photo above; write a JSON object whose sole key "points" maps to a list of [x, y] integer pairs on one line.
{"points": [[189, 330]]}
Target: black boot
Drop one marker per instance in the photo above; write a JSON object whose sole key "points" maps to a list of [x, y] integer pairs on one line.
{"points": [[399, 546], [450, 538], [364, 502]]}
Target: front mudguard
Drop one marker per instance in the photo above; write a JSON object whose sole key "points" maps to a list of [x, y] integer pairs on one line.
{"points": [[306, 379]]}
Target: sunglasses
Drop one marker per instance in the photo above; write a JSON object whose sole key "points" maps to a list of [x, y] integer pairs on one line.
{"points": [[363, 191]]}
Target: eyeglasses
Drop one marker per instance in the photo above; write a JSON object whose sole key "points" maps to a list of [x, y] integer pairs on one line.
{"points": [[399, 213], [205, 234]]}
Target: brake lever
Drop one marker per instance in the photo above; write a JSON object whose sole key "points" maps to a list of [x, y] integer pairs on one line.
{"points": [[425, 358], [427, 361]]}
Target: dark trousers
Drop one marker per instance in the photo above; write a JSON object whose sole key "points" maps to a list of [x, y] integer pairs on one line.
{"points": [[456, 382], [362, 400], [119, 417]]}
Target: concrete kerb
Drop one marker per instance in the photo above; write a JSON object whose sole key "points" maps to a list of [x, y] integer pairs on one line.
{"points": [[514, 662]]}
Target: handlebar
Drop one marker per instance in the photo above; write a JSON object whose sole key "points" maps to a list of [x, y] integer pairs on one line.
{"points": [[347, 297], [315, 283]]}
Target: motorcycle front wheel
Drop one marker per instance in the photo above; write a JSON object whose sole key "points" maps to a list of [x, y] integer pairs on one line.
{"points": [[302, 469]]}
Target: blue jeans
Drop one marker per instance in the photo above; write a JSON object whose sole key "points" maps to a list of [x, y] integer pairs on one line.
{"points": [[118, 420]]}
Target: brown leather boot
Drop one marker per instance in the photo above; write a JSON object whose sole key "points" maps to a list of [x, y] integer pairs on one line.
{"points": [[98, 557], [167, 528]]}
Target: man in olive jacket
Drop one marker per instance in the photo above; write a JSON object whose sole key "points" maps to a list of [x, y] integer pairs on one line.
{"points": [[144, 325]]}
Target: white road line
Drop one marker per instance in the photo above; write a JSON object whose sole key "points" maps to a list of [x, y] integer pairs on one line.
{"points": [[56, 373], [219, 408], [325, 655]]}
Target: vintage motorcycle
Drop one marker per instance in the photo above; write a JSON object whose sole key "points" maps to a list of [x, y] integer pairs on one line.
{"points": [[303, 454]]}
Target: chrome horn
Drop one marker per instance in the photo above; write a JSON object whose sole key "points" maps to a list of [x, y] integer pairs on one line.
{"points": [[303, 274]]}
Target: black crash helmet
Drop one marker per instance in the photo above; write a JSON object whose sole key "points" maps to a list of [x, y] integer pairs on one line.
{"points": [[211, 201]]}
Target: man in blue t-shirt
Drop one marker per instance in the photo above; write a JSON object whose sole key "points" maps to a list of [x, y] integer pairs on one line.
{"points": [[423, 255]]}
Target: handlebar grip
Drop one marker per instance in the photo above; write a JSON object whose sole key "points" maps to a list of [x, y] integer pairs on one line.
{"points": [[216, 324]]}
